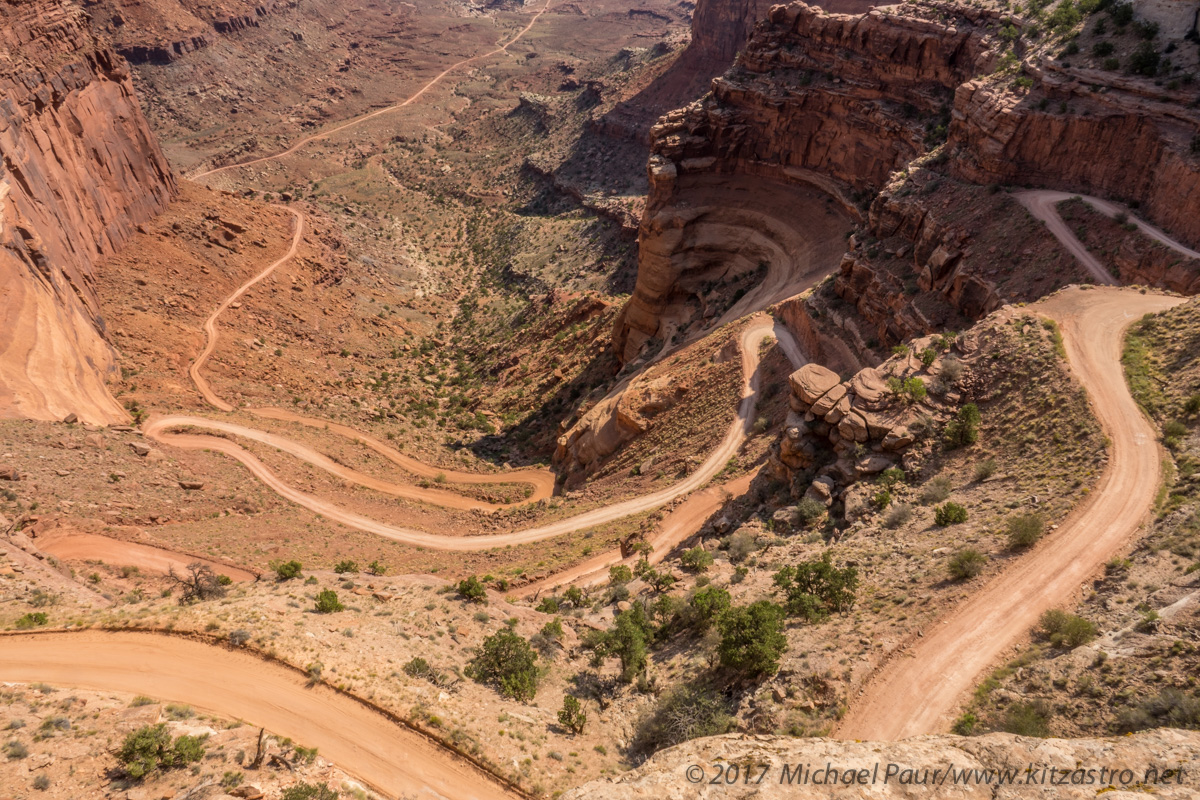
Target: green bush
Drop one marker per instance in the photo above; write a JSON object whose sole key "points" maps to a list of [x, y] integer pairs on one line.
{"points": [[1145, 60], [627, 640], [1066, 630], [966, 564], [287, 570], [809, 511], [752, 639], [696, 560], [619, 574], [150, 748], [963, 430], [910, 390], [1024, 530], [507, 663], [343, 567], [34, 619], [950, 514], [816, 589], [548, 605], [472, 590], [1064, 17], [1103, 49], [328, 603], [309, 791], [571, 716], [1026, 719], [706, 606]]}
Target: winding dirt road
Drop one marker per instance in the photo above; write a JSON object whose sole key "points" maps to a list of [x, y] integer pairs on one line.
{"points": [[923, 685], [762, 328], [1042, 203], [389, 757], [316, 137]]}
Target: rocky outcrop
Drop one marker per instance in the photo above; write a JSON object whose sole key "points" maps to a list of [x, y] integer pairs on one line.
{"points": [[80, 171], [684, 771], [1132, 140], [831, 102], [162, 32]]}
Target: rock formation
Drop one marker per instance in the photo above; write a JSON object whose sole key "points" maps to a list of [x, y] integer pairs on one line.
{"points": [[162, 31], [850, 104], [1174, 756], [80, 172]]}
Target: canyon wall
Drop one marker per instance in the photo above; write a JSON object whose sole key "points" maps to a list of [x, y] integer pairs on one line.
{"points": [[162, 31], [832, 102], [80, 171], [851, 105]]}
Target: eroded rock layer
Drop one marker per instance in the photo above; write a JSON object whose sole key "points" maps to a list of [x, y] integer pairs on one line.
{"points": [[80, 170]]}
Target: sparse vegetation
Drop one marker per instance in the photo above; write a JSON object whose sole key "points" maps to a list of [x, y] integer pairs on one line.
{"points": [[950, 513], [150, 748], [507, 663], [966, 564]]}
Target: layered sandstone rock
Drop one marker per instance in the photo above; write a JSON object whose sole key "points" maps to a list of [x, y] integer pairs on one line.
{"points": [[162, 31], [1174, 756], [80, 172]]}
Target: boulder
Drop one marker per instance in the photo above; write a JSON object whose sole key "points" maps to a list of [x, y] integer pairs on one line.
{"points": [[840, 409], [8, 473], [853, 427], [94, 440], [897, 439], [829, 400], [71, 419], [873, 464], [191, 486], [821, 490], [140, 448], [784, 519], [812, 381], [871, 389]]}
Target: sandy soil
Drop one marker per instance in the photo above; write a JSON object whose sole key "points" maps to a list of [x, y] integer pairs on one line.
{"points": [[74, 546], [922, 685], [390, 758]]}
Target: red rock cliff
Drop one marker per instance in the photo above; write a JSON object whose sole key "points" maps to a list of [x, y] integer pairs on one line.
{"points": [[80, 170]]}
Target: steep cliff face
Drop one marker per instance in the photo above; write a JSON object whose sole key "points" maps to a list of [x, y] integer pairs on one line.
{"points": [[80, 170], [830, 102], [1132, 140]]}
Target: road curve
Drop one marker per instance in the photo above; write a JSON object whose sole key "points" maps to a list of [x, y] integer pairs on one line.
{"points": [[388, 109], [922, 686], [760, 329], [390, 758], [1043, 204]]}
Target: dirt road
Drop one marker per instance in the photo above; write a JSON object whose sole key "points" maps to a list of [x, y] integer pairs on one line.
{"points": [[922, 686], [764, 327], [68, 545], [386, 110], [391, 758]]}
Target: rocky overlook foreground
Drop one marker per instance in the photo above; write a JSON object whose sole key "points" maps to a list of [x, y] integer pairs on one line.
{"points": [[80, 172], [980, 764]]}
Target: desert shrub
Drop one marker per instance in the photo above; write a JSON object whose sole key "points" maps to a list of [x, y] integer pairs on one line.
{"points": [[287, 570], [15, 751], [198, 583], [1103, 49], [572, 716], [309, 791], [742, 545], [816, 589], [928, 356], [950, 514], [41, 783], [150, 748], [471, 590], [936, 490], [342, 567], [1145, 60], [619, 575], [965, 724], [951, 371], [1170, 708], [985, 469], [548, 605], [1026, 719], [809, 511], [881, 499], [377, 567], [507, 663], [963, 430], [897, 516], [696, 560], [687, 712], [910, 390], [1024, 530], [627, 640], [328, 603], [34, 619], [966, 564], [706, 606], [1066, 630], [1121, 13], [752, 639], [891, 477], [239, 637], [1064, 17], [1173, 433]]}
